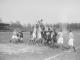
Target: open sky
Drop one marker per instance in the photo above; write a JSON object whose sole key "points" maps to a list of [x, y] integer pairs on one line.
{"points": [[51, 11]]}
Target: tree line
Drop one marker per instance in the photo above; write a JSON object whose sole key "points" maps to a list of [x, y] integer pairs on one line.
{"points": [[17, 25]]}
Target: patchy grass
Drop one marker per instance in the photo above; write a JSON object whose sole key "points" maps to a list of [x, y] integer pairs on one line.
{"points": [[20, 48], [28, 52]]}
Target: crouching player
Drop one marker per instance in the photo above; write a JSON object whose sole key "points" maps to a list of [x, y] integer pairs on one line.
{"points": [[71, 40], [14, 36]]}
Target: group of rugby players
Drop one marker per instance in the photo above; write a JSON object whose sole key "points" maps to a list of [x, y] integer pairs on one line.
{"points": [[48, 35], [53, 37]]}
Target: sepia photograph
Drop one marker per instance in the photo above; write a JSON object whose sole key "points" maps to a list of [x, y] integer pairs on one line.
{"points": [[39, 29]]}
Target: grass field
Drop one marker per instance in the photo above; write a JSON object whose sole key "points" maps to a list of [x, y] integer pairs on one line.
{"points": [[28, 52]]}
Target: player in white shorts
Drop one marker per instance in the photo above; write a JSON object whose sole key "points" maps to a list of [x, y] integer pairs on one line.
{"points": [[60, 38], [71, 40]]}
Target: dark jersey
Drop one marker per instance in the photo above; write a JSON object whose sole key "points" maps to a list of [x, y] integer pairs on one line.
{"points": [[21, 34], [43, 34], [55, 37]]}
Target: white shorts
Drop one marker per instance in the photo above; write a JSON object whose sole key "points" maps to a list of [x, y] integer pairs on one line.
{"points": [[70, 42], [14, 37], [21, 39], [39, 36], [34, 35], [60, 41]]}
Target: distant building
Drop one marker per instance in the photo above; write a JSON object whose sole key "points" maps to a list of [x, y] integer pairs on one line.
{"points": [[4, 27]]}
